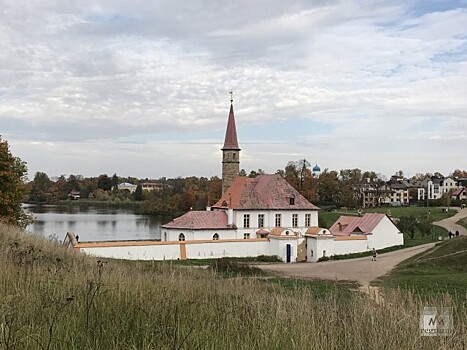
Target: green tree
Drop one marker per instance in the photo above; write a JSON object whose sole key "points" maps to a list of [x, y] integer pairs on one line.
{"points": [[104, 182], [328, 187], [12, 187], [408, 225], [138, 194], [425, 227], [41, 189]]}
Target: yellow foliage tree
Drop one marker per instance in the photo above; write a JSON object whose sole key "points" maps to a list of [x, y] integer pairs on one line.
{"points": [[12, 188]]}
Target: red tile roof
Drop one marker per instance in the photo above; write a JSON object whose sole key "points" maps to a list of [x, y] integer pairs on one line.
{"points": [[365, 224], [231, 142], [199, 220], [263, 192], [458, 192]]}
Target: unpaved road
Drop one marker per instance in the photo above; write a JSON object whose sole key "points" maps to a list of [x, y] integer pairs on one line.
{"points": [[362, 270], [450, 223]]}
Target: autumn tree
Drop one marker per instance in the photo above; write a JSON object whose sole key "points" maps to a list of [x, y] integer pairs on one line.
{"points": [[12, 187], [328, 187], [104, 182], [42, 189]]}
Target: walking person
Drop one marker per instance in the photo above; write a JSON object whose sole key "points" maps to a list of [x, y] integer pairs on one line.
{"points": [[373, 255], [457, 233]]}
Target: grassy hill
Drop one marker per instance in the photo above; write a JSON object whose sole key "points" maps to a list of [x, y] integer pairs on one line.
{"points": [[442, 269], [52, 298]]}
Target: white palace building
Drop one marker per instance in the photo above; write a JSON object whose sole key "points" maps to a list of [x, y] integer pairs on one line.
{"points": [[255, 216]]}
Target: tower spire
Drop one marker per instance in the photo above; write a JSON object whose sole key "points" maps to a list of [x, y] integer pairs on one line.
{"points": [[230, 151], [231, 141]]}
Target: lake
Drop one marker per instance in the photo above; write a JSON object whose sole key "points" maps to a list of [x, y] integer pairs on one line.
{"points": [[93, 223]]}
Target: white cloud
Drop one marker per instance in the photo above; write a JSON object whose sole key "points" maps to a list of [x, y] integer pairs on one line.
{"points": [[103, 75]]}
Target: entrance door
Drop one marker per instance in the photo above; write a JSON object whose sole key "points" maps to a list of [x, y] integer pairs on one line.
{"points": [[288, 250], [301, 251]]}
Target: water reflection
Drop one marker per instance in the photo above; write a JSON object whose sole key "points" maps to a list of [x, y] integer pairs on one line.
{"points": [[92, 223]]}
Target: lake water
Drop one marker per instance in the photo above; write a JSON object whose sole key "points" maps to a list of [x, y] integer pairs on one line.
{"points": [[93, 223]]}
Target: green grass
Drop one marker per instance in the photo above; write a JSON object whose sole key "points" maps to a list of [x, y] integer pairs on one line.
{"points": [[462, 222], [442, 269], [435, 213], [319, 288], [56, 299]]}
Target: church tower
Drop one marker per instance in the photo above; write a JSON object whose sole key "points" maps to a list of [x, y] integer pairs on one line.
{"points": [[230, 151]]}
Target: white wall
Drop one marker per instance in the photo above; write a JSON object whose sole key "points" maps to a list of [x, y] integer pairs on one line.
{"points": [[385, 234], [239, 249], [270, 218], [319, 247], [148, 252], [172, 251], [350, 246], [279, 248]]}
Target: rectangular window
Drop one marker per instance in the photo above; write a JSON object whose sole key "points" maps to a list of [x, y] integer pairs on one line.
{"points": [[246, 236], [278, 220], [246, 220], [260, 220], [294, 220], [307, 220]]}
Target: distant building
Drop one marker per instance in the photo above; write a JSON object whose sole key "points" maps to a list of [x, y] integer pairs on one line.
{"points": [[74, 194], [316, 170], [459, 194], [152, 186], [435, 187], [127, 186]]}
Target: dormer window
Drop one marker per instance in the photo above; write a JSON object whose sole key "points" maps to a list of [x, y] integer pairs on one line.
{"points": [[291, 200]]}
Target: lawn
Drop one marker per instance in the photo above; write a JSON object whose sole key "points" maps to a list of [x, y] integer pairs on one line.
{"points": [[442, 269], [462, 222]]}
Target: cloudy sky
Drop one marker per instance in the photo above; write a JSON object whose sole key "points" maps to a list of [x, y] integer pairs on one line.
{"points": [[140, 88]]}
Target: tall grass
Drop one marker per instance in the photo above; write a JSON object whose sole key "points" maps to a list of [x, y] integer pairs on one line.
{"points": [[51, 298]]}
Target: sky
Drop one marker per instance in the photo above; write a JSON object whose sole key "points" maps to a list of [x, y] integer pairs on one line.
{"points": [[141, 88]]}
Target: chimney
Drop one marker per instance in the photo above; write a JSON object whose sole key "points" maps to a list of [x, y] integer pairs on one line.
{"points": [[230, 217]]}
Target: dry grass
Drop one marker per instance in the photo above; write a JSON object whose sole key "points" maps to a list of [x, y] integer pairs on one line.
{"points": [[54, 299]]}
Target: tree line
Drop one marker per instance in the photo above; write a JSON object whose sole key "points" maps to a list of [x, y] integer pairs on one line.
{"points": [[174, 195]]}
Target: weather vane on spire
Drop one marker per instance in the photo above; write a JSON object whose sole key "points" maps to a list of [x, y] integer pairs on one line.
{"points": [[231, 96]]}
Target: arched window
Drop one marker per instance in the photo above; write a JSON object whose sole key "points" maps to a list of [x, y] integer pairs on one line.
{"points": [[181, 237], [215, 237]]}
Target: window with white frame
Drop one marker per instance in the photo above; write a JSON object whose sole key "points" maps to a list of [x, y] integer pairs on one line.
{"points": [[307, 220], [294, 220], [260, 220], [246, 220], [278, 220], [246, 236]]}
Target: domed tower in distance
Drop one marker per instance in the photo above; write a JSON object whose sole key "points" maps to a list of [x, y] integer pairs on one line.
{"points": [[316, 170]]}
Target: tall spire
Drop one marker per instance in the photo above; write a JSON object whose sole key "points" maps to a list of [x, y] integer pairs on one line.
{"points": [[230, 151], [231, 142]]}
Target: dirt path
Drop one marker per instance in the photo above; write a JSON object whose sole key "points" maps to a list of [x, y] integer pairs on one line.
{"points": [[450, 223], [362, 270]]}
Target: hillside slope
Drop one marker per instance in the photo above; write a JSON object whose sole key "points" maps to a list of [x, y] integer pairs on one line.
{"points": [[444, 268], [52, 298]]}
